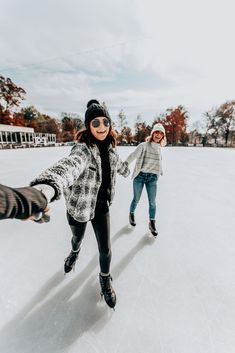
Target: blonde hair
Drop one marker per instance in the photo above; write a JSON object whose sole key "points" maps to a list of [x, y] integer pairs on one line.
{"points": [[162, 141]]}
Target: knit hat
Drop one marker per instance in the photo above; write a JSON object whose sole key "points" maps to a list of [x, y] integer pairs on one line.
{"points": [[158, 127], [94, 110]]}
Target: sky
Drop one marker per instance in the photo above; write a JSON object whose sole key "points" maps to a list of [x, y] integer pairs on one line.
{"points": [[175, 293], [139, 56]]}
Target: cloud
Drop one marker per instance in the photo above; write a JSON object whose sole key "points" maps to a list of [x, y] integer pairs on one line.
{"points": [[140, 56]]}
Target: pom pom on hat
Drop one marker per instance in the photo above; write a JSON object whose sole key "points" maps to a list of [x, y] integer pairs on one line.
{"points": [[94, 110], [91, 102]]}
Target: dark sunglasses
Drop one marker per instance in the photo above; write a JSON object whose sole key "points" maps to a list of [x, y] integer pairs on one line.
{"points": [[96, 122]]}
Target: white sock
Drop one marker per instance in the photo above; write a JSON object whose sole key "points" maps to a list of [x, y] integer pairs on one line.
{"points": [[104, 274], [76, 250]]}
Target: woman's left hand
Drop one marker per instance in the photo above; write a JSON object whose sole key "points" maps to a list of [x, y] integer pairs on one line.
{"points": [[42, 217]]}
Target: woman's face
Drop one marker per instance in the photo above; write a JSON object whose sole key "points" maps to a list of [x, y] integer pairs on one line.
{"points": [[100, 127], [157, 136]]}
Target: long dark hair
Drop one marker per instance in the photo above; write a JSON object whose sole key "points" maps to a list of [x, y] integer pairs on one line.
{"points": [[86, 136]]}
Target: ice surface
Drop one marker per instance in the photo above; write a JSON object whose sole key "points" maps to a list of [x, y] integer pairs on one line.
{"points": [[176, 294]]}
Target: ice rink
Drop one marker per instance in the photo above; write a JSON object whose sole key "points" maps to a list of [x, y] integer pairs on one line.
{"points": [[175, 293]]}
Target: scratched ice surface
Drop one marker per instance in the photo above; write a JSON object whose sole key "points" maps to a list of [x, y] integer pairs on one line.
{"points": [[176, 294]]}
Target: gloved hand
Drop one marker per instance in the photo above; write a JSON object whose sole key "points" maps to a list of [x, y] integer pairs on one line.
{"points": [[42, 217], [21, 203]]}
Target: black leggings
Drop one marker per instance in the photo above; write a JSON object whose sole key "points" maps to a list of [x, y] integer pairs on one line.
{"points": [[101, 226]]}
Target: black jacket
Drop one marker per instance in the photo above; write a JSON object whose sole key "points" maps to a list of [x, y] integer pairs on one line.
{"points": [[20, 203]]}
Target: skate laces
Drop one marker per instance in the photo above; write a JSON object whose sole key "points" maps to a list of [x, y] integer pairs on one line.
{"points": [[105, 282], [72, 257]]}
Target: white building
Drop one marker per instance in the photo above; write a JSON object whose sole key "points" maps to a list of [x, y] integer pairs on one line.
{"points": [[20, 136]]}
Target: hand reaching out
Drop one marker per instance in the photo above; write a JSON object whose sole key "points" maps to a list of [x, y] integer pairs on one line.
{"points": [[41, 217], [23, 203]]}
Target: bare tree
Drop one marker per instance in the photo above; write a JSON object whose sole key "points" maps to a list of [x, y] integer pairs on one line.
{"points": [[226, 113], [122, 121], [213, 124]]}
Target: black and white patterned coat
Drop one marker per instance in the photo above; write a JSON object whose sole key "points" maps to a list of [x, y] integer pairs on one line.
{"points": [[79, 177]]}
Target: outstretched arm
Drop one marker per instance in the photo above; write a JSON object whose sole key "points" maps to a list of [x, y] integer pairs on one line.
{"points": [[21, 203], [135, 154], [63, 173]]}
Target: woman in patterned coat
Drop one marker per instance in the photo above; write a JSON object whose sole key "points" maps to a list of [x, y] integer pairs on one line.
{"points": [[87, 179]]}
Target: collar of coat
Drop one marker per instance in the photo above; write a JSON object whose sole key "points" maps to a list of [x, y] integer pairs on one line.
{"points": [[96, 154]]}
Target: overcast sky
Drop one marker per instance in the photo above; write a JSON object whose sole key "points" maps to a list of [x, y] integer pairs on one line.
{"points": [[140, 56]]}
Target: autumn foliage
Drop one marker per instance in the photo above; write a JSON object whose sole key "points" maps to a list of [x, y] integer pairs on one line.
{"points": [[12, 95], [175, 123]]}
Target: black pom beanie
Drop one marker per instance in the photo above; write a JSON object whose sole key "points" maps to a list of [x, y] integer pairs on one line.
{"points": [[94, 110]]}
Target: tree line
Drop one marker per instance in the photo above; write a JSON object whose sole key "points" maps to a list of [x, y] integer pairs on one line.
{"points": [[219, 121], [11, 96], [220, 124]]}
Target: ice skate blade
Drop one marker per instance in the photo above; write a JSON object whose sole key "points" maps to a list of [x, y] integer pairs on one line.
{"points": [[151, 235], [102, 298], [72, 270]]}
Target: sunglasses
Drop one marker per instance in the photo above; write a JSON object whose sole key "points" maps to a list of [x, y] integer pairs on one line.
{"points": [[96, 122]]}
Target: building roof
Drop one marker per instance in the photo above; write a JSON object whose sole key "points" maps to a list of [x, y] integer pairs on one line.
{"points": [[12, 128]]}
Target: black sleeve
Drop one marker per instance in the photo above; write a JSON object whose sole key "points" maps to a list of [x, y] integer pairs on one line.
{"points": [[20, 203]]}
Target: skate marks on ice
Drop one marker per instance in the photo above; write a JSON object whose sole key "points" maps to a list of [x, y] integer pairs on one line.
{"points": [[53, 324], [145, 240], [127, 259], [61, 313], [127, 229]]}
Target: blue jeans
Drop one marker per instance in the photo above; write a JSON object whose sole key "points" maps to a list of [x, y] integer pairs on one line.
{"points": [[150, 182]]}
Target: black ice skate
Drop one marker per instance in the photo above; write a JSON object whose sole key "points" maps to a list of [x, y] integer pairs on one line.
{"points": [[152, 227], [70, 261], [132, 219], [107, 290]]}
